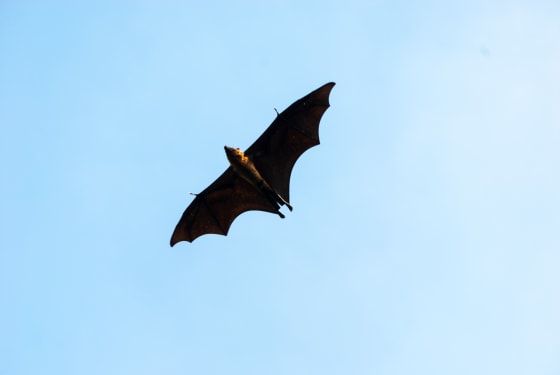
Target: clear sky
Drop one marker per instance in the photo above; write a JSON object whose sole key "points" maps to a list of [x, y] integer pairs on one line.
{"points": [[425, 236]]}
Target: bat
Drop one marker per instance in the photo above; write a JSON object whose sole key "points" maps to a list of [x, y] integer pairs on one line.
{"points": [[259, 178]]}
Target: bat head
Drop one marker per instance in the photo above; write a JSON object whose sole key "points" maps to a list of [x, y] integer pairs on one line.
{"points": [[234, 154]]}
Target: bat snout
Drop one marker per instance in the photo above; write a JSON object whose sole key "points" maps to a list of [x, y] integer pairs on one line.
{"points": [[229, 150]]}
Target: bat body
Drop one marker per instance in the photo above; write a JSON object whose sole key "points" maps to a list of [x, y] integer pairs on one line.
{"points": [[259, 178], [245, 168]]}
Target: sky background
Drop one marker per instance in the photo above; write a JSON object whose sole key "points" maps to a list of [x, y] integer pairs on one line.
{"points": [[425, 236]]}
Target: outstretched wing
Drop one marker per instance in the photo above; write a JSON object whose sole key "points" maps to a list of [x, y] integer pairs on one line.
{"points": [[293, 132], [213, 210]]}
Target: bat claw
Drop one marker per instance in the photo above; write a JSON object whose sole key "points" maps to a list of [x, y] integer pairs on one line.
{"points": [[281, 215]]}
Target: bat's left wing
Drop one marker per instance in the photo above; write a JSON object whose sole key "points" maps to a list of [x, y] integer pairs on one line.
{"points": [[294, 131]]}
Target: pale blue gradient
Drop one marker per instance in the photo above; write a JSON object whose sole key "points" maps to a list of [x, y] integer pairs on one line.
{"points": [[425, 236]]}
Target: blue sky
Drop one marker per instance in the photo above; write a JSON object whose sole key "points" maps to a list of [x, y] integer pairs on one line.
{"points": [[425, 232]]}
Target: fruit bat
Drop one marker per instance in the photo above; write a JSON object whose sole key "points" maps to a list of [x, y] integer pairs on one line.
{"points": [[259, 178]]}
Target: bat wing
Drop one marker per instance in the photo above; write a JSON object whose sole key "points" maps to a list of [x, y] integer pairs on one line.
{"points": [[217, 206], [294, 131]]}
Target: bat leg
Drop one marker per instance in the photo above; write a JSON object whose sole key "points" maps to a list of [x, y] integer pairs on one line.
{"points": [[283, 201], [276, 200], [275, 203]]}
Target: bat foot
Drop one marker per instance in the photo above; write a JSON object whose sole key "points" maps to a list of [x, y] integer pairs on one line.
{"points": [[280, 214], [282, 201]]}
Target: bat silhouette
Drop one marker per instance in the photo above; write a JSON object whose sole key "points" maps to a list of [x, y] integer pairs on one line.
{"points": [[259, 178]]}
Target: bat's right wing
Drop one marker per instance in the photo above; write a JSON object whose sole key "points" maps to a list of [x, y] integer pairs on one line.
{"points": [[217, 206]]}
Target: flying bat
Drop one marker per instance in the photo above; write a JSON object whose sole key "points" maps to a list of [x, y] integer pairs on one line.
{"points": [[259, 178]]}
